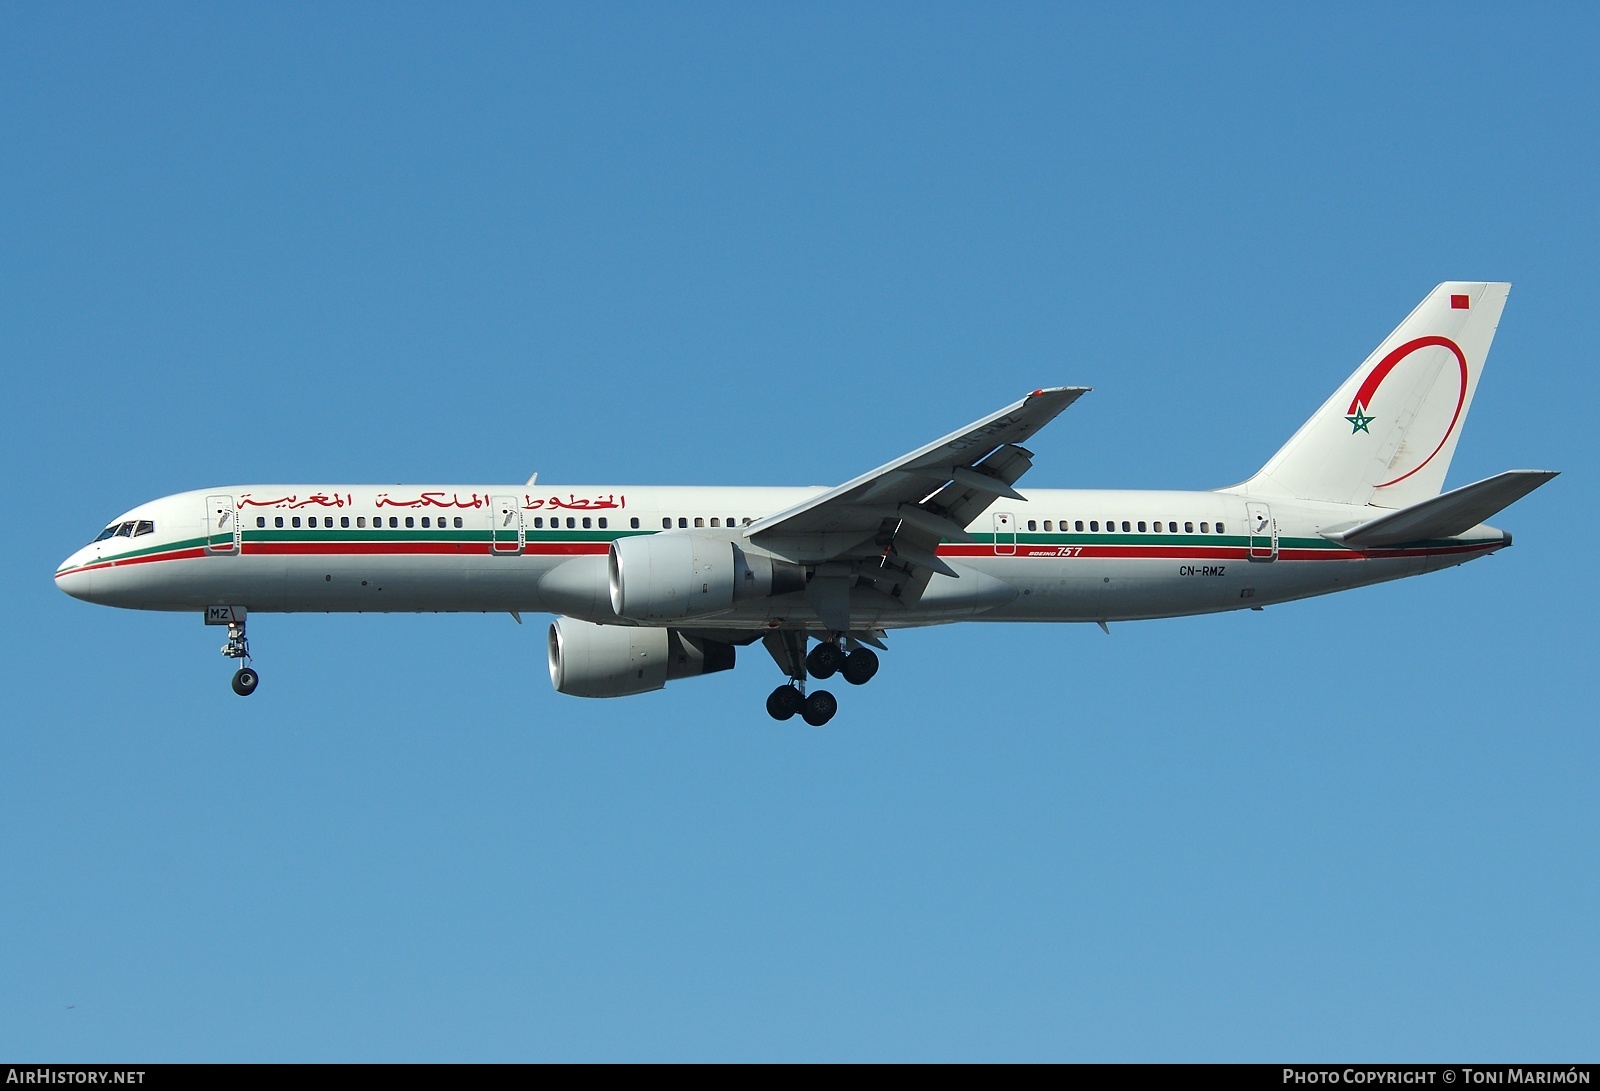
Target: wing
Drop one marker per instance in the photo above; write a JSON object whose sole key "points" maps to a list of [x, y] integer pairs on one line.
{"points": [[885, 526]]}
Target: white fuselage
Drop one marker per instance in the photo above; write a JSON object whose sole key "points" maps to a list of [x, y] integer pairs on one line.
{"points": [[1059, 555]]}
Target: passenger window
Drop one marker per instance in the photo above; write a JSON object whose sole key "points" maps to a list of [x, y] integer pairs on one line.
{"points": [[1141, 526], [666, 524], [572, 523], [295, 521], [426, 523], [261, 520], [344, 522], [1205, 528], [1125, 526], [715, 521], [1047, 526], [1172, 527], [458, 522], [361, 521], [277, 520], [699, 522], [682, 523], [1188, 528], [394, 521], [585, 522], [538, 522], [1156, 526], [602, 522], [1079, 524], [410, 522], [1220, 530], [1094, 525], [634, 522]]}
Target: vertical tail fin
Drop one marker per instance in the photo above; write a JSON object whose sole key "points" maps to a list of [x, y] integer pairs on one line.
{"points": [[1386, 436]]}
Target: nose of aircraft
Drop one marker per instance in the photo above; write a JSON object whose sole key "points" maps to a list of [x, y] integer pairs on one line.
{"points": [[75, 577]]}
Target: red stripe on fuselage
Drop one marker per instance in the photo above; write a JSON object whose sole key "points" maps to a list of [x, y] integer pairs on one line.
{"points": [[579, 549], [480, 549], [1209, 553], [176, 555]]}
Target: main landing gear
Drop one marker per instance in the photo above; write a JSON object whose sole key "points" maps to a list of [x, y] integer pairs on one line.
{"points": [[816, 708], [828, 659], [245, 678], [825, 660]]}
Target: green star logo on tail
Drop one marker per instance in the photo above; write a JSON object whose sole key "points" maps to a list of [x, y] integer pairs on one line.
{"points": [[1359, 420]]}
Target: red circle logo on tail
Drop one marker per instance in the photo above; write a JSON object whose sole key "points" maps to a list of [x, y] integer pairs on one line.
{"points": [[1357, 413]]}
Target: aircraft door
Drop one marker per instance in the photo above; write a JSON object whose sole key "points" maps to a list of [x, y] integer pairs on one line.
{"points": [[1005, 534], [1263, 532], [222, 527], [507, 537]]}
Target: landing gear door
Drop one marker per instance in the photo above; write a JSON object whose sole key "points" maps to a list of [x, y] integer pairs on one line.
{"points": [[1263, 532], [222, 526], [1005, 534], [507, 537]]}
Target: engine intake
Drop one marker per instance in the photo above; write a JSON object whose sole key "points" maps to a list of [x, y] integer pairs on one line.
{"points": [[589, 660]]}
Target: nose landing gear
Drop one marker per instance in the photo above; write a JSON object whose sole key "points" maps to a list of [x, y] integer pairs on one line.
{"points": [[245, 678]]}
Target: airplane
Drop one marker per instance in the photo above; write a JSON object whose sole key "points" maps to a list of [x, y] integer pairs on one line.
{"points": [[652, 584]]}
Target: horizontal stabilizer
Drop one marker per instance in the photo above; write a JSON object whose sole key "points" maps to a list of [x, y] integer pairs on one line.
{"points": [[1444, 515]]}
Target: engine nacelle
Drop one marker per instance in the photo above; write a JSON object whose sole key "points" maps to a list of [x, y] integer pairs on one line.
{"points": [[665, 577], [589, 660]]}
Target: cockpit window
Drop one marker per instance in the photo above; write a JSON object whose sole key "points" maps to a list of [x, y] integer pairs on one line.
{"points": [[125, 530], [106, 533], [145, 526]]}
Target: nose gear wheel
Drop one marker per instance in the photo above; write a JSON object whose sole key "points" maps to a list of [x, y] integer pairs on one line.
{"points": [[245, 679]]}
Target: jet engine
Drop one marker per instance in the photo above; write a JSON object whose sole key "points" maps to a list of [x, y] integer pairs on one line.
{"points": [[589, 660], [664, 577]]}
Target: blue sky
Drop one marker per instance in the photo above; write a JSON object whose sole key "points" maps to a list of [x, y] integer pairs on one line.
{"points": [[780, 245]]}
